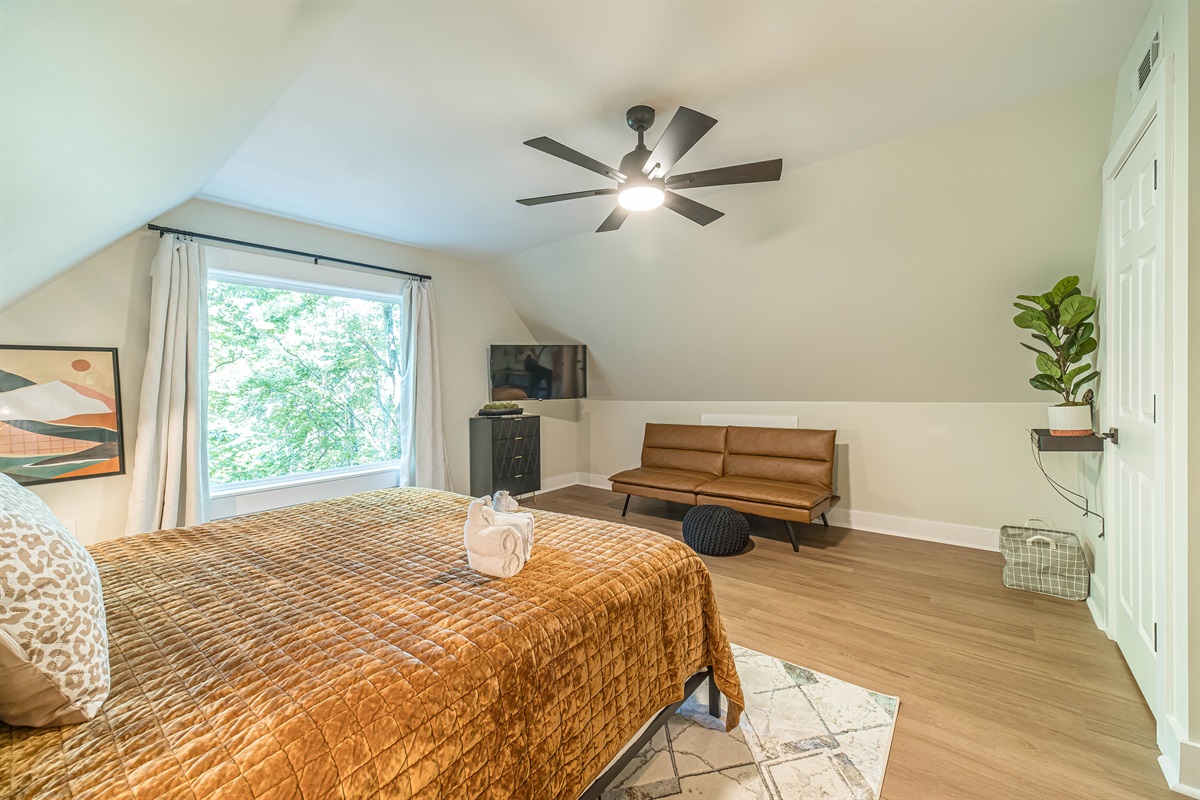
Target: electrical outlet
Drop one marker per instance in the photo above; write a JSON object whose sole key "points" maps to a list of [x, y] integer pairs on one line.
{"points": [[69, 524]]}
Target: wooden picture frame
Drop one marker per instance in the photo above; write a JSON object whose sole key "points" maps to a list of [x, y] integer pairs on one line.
{"points": [[60, 413]]}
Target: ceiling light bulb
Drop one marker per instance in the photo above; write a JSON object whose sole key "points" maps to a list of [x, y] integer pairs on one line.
{"points": [[640, 197]]}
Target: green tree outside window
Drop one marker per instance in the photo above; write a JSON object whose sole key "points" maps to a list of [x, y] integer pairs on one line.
{"points": [[299, 382]]}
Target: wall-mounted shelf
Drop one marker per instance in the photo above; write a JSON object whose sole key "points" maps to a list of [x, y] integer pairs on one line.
{"points": [[1047, 443]]}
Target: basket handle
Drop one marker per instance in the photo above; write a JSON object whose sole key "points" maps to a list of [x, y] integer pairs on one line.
{"points": [[1040, 538], [1046, 523]]}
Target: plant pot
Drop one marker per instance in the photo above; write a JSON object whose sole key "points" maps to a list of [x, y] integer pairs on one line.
{"points": [[1070, 420]]}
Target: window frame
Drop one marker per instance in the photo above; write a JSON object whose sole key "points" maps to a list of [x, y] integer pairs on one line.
{"points": [[231, 499]]}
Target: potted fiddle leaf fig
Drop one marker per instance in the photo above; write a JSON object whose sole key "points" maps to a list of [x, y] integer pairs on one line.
{"points": [[1059, 322]]}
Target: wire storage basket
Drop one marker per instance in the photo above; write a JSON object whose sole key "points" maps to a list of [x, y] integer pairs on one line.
{"points": [[1038, 559]]}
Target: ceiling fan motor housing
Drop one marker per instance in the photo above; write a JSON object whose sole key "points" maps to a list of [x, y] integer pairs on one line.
{"points": [[634, 161]]}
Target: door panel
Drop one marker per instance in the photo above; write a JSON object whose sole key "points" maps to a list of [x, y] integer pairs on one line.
{"points": [[1135, 323]]}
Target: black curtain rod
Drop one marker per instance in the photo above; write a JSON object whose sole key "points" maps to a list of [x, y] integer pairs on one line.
{"points": [[316, 259]]}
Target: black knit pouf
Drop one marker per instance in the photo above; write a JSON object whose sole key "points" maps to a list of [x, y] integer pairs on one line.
{"points": [[715, 530]]}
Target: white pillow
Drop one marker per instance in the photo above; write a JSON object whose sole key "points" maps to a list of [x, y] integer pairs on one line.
{"points": [[53, 642]]}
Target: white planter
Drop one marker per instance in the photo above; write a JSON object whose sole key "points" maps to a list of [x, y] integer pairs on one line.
{"points": [[1070, 420]]}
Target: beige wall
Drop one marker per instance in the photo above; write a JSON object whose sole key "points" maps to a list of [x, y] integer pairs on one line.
{"points": [[104, 302], [869, 293]]}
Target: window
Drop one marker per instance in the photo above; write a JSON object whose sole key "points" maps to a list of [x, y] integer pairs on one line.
{"points": [[302, 378]]}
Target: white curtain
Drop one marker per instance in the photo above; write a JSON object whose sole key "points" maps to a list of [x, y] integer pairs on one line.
{"points": [[423, 455], [170, 465]]}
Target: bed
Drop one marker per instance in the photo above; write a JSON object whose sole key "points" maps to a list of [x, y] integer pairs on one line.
{"points": [[344, 649]]}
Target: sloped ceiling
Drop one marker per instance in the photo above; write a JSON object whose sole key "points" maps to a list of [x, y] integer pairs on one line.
{"points": [[408, 124], [886, 274], [111, 113], [404, 120]]}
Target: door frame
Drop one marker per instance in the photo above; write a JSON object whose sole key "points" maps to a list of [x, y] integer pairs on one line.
{"points": [[1147, 125], [1171, 679]]}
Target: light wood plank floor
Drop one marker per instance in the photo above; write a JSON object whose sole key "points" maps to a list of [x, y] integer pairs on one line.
{"points": [[1004, 695]]}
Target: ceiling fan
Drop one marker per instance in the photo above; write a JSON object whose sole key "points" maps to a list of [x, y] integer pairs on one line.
{"points": [[642, 182]]}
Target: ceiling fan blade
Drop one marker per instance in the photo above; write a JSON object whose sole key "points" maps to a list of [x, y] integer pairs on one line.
{"points": [[684, 130], [758, 172], [614, 220], [551, 147], [696, 212], [554, 198]]}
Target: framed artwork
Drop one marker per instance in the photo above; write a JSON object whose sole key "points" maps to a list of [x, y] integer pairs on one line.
{"points": [[60, 413]]}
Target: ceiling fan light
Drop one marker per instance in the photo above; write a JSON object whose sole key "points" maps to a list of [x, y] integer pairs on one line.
{"points": [[640, 198]]}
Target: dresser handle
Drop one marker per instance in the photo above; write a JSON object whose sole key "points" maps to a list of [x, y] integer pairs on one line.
{"points": [[518, 438], [518, 456]]}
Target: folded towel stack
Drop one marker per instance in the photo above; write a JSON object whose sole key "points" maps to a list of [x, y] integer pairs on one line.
{"points": [[498, 542]]}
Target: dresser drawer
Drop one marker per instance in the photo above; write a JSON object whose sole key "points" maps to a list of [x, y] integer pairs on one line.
{"points": [[519, 484], [521, 447], [528, 464], [515, 428]]}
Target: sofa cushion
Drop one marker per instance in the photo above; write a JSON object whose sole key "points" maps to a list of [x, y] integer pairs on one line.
{"points": [[780, 493], [677, 480], [781, 454], [690, 448], [53, 641]]}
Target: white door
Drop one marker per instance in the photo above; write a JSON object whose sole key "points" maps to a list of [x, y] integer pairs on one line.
{"points": [[1136, 309]]}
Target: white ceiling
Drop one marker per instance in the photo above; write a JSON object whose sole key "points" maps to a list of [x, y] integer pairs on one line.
{"points": [[112, 113], [407, 123]]}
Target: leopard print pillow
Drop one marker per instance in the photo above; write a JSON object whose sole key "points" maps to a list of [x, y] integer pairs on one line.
{"points": [[53, 641]]}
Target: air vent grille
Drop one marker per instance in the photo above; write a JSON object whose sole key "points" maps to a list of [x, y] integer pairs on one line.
{"points": [[1147, 65]]}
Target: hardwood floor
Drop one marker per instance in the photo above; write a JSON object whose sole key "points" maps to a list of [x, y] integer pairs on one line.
{"points": [[1004, 695]]}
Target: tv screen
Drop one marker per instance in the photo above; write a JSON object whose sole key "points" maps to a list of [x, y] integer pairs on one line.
{"points": [[538, 371]]}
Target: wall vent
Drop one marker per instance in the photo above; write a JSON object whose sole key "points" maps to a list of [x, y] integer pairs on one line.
{"points": [[1148, 62]]}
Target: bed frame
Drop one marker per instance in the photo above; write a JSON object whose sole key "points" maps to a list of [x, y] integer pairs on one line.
{"points": [[690, 686]]}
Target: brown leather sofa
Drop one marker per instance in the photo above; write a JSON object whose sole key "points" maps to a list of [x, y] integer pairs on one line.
{"points": [[780, 473]]}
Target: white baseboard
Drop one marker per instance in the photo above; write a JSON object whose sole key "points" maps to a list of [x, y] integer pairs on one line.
{"points": [[926, 530], [1097, 603], [595, 481], [1171, 772], [560, 481], [923, 529], [1180, 761], [556, 482]]}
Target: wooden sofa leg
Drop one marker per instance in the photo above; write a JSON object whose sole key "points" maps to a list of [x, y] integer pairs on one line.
{"points": [[626, 508], [824, 521], [792, 535]]}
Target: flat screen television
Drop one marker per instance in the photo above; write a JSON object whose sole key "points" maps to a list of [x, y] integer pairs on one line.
{"points": [[537, 371]]}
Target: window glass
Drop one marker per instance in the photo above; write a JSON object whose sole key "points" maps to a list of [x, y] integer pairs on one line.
{"points": [[299, 382]]}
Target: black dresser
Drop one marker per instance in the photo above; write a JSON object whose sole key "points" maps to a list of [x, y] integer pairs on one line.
{"points": [[506, 453]]}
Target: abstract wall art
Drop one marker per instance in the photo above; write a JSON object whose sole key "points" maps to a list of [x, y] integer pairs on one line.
{"points": [[60, 413]]}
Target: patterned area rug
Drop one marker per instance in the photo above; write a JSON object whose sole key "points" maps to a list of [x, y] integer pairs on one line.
{"points": [[804, 736]]}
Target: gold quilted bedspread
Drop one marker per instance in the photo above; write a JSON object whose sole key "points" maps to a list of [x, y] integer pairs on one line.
{"points": [[344, 649]]}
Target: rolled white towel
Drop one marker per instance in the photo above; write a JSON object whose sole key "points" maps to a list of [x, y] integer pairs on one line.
{"points": [[487, 536], [496, 566], [503, 501], [480, 514], [523, 522], [495, 540], [480, 517]]}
